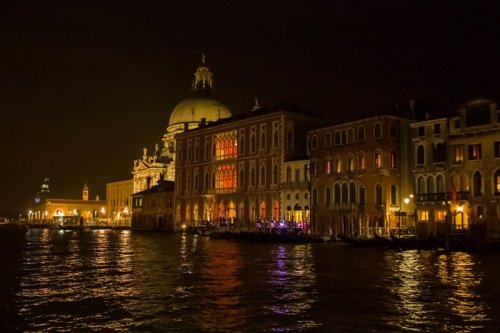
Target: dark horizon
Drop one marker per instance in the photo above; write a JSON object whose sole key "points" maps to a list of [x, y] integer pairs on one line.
{"points": [[86, 85]]}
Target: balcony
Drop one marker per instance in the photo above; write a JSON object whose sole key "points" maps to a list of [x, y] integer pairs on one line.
{"points": [[440, 197]]}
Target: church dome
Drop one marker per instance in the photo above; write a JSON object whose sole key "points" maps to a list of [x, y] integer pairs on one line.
{"points": [[201, 104]]}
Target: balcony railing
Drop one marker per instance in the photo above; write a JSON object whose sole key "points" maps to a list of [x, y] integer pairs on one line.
{"points": [[440, 197]]}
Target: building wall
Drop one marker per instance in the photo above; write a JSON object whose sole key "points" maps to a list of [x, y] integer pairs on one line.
{"points": [[153, 209], [233, 178], [119, 202], [67, 212], [345, 163]]}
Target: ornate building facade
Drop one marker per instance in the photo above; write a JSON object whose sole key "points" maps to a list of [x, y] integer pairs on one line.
{"points": [[229, 173], [360, 176], [200, 106], [457, 172]]}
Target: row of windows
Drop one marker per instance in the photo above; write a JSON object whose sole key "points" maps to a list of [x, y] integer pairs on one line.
{"points": [[421, 130], [474, 153], [224, 178], [353, 162], [346, 193], [436, 184], [346, 136], [231, 144]]}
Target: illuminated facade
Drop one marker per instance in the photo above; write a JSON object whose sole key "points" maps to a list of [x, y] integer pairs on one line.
{"points": [[360, 176], [457, 178], [201, 106], [229, 173], [68, 212], [295, 194], [119, 202]]}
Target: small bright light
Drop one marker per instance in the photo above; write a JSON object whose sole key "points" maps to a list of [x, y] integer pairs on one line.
{"points": [[460, 209], [406, 200], [183, 226]]}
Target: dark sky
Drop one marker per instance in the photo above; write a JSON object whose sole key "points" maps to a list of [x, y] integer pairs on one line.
{"points": [[84, 85]]}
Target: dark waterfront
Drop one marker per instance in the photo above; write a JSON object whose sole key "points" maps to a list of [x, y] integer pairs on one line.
{"points": [[108, 280]]}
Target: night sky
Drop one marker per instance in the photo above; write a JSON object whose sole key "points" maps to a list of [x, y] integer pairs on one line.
{"points": [[84, 85]]}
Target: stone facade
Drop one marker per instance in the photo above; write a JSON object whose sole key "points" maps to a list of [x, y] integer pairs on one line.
{"points": [[229, 173]]}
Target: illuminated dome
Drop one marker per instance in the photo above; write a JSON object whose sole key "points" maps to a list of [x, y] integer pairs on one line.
{"points": [[201, 104]]}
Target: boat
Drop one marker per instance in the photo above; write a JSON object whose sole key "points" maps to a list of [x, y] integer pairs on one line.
{"points": [[360, 242]]}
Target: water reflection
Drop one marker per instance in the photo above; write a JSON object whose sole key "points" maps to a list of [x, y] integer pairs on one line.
{"points": [[221, 310], [127, 281], [435, 292], [292, 278], [459, 272]]}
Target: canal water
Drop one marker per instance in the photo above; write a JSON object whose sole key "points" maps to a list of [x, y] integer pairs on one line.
{"points": [[122, 281]]}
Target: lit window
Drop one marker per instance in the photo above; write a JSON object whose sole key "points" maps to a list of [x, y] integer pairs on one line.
{"points": [[440, 216], [475, 151], [328, 167], [458, 154], [423, 215], [378, 159]]}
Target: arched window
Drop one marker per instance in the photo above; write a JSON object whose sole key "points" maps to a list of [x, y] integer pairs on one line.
{"points": [[241, 144], [263, 176], [336, 193], [420, 155], [338, 164], [276, 139], [477, 180], [362, 161], [314, 142], [377, 130], [361, 133], [378, 159], [421, 185], [345, 193], [328, 196], [394, 162], [328, 140], [314, 196], [362, 195], [430, 185], [394, 195], [440, 184], [352, 192], [252, 176], [440, 152], [275, 175], [350, 135], [337, 138], [496, 183], [263, 140], [252, 143], [350, 163]]}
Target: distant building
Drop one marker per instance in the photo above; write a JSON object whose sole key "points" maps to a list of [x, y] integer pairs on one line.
{"points": [[119, 202], [153, 209], [67, 212]]}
